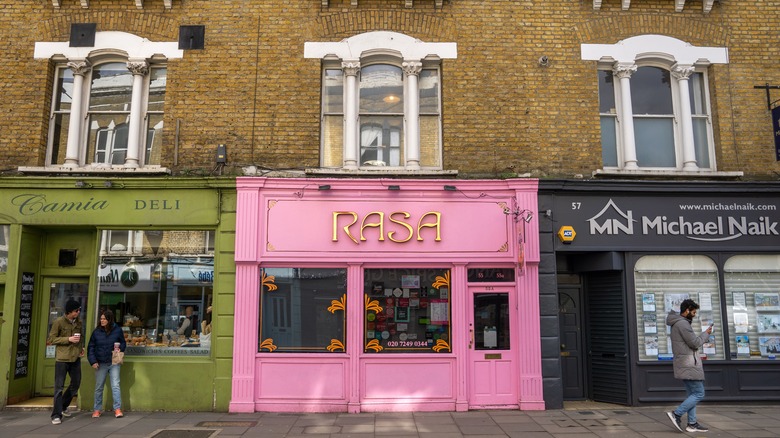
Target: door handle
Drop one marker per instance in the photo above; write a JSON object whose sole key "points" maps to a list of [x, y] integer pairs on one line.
{"points": [[563, 347], [471, 337]]}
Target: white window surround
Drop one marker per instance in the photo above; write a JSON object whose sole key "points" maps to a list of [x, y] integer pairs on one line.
{"points": [[681, 59], [678, 5], [138, 54], [409, 53]]}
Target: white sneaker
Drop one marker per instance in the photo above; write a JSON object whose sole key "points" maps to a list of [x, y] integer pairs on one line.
{"points": [[56, 421], [66, 413]]}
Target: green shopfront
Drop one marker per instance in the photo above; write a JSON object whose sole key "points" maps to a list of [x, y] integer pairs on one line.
{"points": [[157, 253]]}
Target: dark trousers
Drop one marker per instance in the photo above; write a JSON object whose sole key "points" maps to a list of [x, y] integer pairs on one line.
{"points": [[62, 398]]}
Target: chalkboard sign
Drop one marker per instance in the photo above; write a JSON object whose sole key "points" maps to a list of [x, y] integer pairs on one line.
{"points": [[25, 324]]}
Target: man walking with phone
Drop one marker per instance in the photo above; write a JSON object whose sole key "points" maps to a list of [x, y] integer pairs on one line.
{"points": [[65, 334], [687, 363]]}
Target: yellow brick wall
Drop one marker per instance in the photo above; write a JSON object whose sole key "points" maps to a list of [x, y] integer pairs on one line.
{"points": [[252, 90]]}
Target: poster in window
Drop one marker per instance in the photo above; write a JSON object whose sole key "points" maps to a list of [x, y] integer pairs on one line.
{"points": [[650, 323], [705, 301], [743, 345], [377, 289], [648, 302], [706, 319], [651, 345], [444, 293], [439, 312], [709, 346], [741, 322], [769, 345], [739, 301], [673, 301], [411, 281], [402, 314], [767, 301], [768, 322]]}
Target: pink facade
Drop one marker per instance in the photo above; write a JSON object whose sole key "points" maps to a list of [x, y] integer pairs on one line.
{"points": [[465, 229]]}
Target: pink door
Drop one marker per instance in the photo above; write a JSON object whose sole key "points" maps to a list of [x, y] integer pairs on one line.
{"points": [[493, 364]]}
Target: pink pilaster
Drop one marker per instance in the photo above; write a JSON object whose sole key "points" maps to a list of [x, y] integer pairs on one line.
{"points": [[460, 317]]}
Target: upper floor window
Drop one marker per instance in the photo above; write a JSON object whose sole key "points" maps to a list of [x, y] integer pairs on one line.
{"points": [[654, 105], [107, 107], [381, 104]]}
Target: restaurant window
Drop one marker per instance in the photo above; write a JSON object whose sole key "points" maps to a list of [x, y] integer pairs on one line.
{"points": [[303, 310], [159, 285], [752, 284], [407, 311], [661, 284]]}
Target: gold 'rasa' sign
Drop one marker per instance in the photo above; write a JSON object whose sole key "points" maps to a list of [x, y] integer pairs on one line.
{"points": [[378, 219]]}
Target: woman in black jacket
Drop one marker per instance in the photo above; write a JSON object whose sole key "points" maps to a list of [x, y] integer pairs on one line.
{"points": [[106, 338]]}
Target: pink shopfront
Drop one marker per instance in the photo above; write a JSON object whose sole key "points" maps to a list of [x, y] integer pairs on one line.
{"points": [[367, 295]]}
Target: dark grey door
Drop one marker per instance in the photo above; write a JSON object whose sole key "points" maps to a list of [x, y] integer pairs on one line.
{"points": [[608, 362], [570, 315]]}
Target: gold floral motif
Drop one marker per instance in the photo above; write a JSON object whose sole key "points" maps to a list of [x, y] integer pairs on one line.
{"points": [[268, 281], [504, 247], [338, 304], [504, 207], [442, 281], [271, 203], [372, 305], [441, 345], [374, 345], [270, 247], [269, 344], [335, 344]]}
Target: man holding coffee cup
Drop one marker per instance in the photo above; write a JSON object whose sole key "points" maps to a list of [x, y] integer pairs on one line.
{"points": [[65, 334]]}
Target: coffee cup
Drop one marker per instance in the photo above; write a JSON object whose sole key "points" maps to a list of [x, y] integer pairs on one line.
{"points": [[77, 336], [116, 345]]}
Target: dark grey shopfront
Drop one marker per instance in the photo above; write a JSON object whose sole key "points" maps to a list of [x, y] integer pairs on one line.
{"points": [[617, 256]]}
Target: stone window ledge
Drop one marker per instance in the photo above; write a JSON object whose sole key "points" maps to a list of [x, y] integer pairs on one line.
{"points": [[642, 173], [113, 170], [391, 172]]}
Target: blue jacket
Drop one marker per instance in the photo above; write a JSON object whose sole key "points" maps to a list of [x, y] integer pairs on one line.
{"points": [[101, 344]]}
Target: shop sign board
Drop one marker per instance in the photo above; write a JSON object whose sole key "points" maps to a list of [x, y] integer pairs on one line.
{"points": [[111, 206], [623, 222], [128, 277]]}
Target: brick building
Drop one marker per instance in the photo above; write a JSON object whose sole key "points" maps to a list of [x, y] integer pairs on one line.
{"points": [[115, 111]]}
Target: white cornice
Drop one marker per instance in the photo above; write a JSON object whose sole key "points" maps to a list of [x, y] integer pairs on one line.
{"points": [[133, 46]]}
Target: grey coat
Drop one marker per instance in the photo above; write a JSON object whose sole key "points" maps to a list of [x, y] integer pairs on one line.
{"points": [[685, 345]]}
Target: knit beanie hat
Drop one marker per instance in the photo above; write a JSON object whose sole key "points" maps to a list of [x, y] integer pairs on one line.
{"points": [[71, 305]]}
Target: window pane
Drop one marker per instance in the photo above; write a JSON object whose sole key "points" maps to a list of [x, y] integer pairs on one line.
{"points": [[158, 80], [332, 92], [697, 90], [64, 90], [332, 141], [59, 139], [662, 283], [381, 89], [5, 232], [752, 283], [429, 142], [112, 86], [154, 139], [606, 92], [407, 310], [381, 140], [651, 91], [159, 285], [654, 142], [608, 141], [429, 91], [303, 310], [700, 142], [107, 142], [491, 322]]}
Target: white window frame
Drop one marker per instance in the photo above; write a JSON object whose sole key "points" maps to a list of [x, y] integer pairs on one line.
{"points": [[140, 56], [412, 56], [682, 60]]}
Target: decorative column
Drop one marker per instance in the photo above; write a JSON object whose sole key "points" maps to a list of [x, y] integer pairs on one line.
{"points": [[351, 103], [412, 71], [682, 73], [624, 72], [79, 68], [461, 310], [139, 69], [355, 314]]}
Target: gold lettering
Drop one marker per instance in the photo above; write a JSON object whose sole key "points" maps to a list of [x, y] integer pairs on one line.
{"points": [[437, 225], [380, 225], [336, 215], [409, 228]]}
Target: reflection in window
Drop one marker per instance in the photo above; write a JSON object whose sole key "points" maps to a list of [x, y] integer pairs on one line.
{"points": [[407, 310], [5, 231], [303, 310], [752, 285], [159, 284]]}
